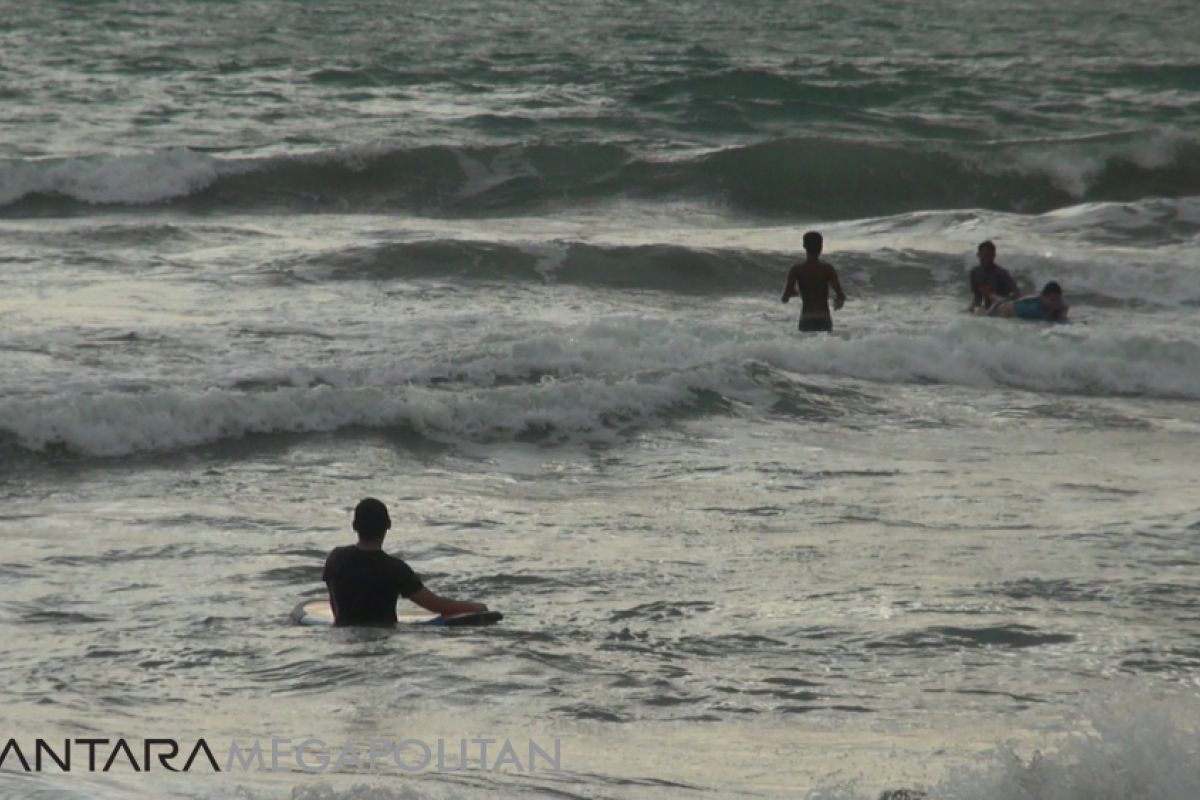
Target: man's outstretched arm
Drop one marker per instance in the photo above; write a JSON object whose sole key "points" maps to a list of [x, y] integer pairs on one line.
{"points": [[839, 296], [444, 605], [976, 295], [789, 288]]}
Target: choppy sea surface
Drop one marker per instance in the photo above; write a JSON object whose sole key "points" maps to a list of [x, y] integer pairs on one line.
{"points": [[514, 268]]}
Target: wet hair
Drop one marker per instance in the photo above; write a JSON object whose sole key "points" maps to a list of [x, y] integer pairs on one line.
{"points": [[987, 244], [813, 241], [371, 519], [1052, 288]]}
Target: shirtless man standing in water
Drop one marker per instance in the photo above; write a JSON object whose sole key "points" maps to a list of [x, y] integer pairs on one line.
{"points": [[812, 280]]}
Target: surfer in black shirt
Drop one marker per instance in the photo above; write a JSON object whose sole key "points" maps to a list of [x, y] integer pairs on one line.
{"points": [[365, 582]]}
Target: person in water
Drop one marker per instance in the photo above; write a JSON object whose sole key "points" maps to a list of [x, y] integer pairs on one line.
{"points": [[812, 279], [993, 278], [987, 301], [1046, 307], [364, 582]]}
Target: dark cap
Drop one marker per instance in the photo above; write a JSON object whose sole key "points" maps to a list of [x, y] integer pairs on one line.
{"points": [[371, 518], [1052, 288]]}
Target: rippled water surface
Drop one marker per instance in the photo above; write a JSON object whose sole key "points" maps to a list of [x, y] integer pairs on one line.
{"points": [[514, 269]]}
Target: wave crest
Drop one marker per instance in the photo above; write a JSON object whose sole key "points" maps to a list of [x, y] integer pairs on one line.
{"points": [[599, 382], [820, 177]]}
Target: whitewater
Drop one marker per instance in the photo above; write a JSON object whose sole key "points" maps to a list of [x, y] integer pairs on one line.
{"points": [[515, 269]]}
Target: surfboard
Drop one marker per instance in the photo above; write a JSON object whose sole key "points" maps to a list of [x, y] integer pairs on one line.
{"points": [[318, 612]]}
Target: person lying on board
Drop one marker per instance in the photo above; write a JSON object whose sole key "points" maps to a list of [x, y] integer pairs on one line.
{"points": [[365, 582], [990, 280], [1046, 307]]}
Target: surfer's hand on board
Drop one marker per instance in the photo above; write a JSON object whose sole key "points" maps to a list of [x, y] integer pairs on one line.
{"points": [[445, 606]]}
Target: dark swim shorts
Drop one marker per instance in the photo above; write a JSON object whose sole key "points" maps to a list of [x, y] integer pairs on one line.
{"points": [[816, 325]]}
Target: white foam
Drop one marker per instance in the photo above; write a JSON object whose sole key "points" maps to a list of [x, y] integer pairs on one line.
{"points": [[143, 178], [1144, 750], [1075, 167], [594, 380], [1126, 748], [114, 424]]}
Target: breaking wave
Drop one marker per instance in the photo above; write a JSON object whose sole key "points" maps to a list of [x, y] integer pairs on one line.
{"points": [[826, 178], [597, 383]]}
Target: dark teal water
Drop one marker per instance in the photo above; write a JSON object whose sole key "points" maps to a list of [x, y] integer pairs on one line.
{"points": [[827, 111]]}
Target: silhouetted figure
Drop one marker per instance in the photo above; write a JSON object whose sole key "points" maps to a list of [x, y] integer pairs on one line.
{"points": [[991, 276], [812, 280]]}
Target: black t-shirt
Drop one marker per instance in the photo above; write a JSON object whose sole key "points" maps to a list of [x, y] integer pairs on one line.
{"points": [[365, 584]]}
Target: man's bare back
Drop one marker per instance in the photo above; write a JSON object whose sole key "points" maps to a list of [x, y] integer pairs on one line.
{"points": [[811, 280]]}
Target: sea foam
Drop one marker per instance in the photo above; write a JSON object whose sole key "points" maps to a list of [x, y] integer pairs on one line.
{"points": [[595, 383]]}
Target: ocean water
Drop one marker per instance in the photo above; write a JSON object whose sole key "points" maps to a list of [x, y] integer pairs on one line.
{"points": [[514, 268]]}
